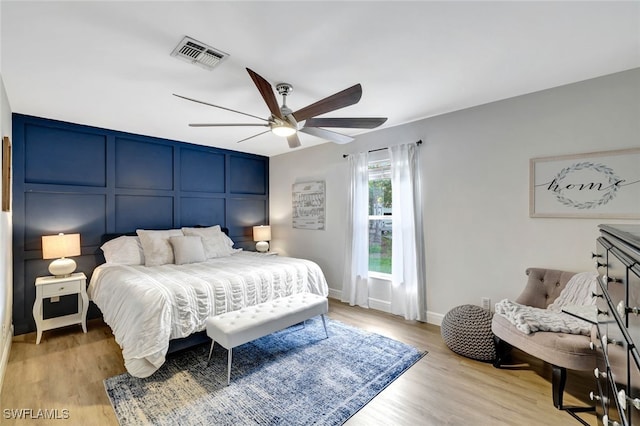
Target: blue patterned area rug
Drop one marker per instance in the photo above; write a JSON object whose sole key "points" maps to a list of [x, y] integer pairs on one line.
{"points": [[293, 377]]}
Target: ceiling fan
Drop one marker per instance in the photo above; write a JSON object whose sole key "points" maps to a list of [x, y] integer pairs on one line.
{"points": [[285, 122]]}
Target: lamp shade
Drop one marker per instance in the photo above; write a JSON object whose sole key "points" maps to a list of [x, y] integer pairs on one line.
{"points": [[262, 233], [61, 245]]}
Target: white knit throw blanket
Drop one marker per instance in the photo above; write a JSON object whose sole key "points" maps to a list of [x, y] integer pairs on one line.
{"points": [[578, 291]]}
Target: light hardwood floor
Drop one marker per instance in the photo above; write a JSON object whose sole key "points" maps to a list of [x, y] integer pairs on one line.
{"points": [[65, 372]]}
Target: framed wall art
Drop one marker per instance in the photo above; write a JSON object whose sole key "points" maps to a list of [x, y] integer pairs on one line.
{"points": [[308, 205], [594, 185], [6, 174]]}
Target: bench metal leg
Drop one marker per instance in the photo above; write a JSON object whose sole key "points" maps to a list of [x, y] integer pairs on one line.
{"points": [[324, 324], [229, 355], [210, 352]]}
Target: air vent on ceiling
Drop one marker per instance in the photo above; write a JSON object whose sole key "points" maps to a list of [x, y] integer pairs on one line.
{"points": [[198, 53]]}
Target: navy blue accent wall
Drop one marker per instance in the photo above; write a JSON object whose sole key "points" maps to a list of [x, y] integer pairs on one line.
{"points": [[74, 178]]}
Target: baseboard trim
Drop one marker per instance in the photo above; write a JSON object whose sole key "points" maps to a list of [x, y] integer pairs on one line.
{"points": [[385, 306], [434, 318], [380, 305], [4, 359], [335, 294]]}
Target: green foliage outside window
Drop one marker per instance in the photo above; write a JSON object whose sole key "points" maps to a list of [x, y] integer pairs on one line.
{"points": [[380, 256], [379, 194], [380, 220]]}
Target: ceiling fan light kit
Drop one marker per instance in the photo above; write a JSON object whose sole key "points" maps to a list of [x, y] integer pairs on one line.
{"points": [[283, 129], [284, 122]]}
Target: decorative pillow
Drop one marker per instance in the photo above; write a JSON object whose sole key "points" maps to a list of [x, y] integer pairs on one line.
{"points": [[187, 249], [215, 242], [156, 247], [124, 250]]}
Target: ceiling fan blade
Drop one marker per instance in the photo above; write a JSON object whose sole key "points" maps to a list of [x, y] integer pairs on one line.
{"points": [[251, 137], [338, 138], [346, 123], [265, 89], [221, 107], [293, 140], [336, 101], [227, 125]]}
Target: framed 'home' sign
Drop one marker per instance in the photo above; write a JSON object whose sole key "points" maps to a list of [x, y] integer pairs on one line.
{"points": [[594, 185]]}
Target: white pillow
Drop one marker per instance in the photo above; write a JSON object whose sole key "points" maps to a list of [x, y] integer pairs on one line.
{"points": [[187, 249], [156, 247], [215, 242], [124, 250], [228, 240]]}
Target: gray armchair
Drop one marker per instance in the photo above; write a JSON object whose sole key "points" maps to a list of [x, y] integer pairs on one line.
{"points": [[562, 351]]}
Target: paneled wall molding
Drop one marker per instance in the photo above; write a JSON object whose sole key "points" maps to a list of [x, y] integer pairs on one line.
{"points": [[93, 181]]}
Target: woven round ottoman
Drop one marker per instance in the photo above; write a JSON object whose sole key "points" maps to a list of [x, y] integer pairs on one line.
{"points": [[466, 330]]}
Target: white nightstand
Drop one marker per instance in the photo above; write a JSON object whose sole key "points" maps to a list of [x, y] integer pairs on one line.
{"points": [[50, 286]]}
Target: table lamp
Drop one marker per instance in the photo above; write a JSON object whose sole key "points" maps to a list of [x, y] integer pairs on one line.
{"points": [[262, 234], [59, 247]]}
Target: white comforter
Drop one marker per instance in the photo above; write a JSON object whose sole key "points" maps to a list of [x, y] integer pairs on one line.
{"points": [[147, 306]]}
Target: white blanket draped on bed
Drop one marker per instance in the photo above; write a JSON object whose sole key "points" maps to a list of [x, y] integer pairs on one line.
{"points": [[578, 291], [147, 306]]}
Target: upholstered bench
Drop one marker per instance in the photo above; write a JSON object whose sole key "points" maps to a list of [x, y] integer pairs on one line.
{"points": [[235, 328]]}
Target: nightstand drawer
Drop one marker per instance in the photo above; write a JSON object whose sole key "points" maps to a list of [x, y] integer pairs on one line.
{"points": [[60, 289]]}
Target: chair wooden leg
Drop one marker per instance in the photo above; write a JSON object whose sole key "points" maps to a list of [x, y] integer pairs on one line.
{"points": [[502, 350], [558, 382]]}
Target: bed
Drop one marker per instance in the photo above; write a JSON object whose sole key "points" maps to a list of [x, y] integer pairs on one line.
{"points": [[149, 306]]}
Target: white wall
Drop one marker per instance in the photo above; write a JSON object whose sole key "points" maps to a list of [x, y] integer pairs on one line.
{"points": [[478, 234], [6, 264]]}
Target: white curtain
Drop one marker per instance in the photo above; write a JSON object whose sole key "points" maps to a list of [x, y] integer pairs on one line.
{"points": [[355, 289], [407, 262]]}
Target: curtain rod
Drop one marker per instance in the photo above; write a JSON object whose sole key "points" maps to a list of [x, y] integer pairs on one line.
{"points": [[381, 149]]}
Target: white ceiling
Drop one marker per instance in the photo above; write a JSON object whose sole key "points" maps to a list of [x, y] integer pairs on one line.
{"points": [[108, 64]]}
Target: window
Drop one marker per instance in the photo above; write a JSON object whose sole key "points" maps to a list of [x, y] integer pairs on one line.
{"points": [[380, 218]]}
